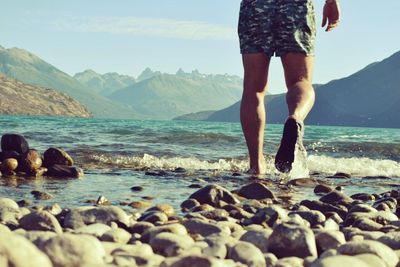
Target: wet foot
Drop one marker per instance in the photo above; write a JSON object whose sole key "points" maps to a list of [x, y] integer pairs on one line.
{"points": [[260, 169], [292, 135]]}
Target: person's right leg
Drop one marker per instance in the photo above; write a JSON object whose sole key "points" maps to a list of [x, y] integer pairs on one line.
{"points": [[300, 100], [252, 110]]}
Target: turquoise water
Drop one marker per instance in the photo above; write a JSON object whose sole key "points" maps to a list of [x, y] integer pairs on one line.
{"points": [[116, 153]]}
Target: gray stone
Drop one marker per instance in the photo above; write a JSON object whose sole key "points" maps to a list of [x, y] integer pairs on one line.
{"points": [[372, 247], [216, 248], [204, 228], [40, 221], [169, 244], [382, 217], [118, 235], [4, 229], [255, 191], [189, 204], [74, 250], [9, 211], [88, 215], [336, 197], [96, 229], [291, 240], [192, 261], [213, 195], [155, 217], [289, 262], [329, 240], [367, 224], [247, 254], [269, 216], [140, 227], [340, 260], [56, 156], [270, 259], [17, 251], [39, 237], [259, 238], [175, 228]]}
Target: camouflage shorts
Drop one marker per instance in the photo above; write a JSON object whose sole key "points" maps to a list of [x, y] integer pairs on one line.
{"points": [[277, 26]]}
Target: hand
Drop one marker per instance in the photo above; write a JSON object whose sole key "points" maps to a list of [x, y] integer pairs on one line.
{"points": [[331, 15]]}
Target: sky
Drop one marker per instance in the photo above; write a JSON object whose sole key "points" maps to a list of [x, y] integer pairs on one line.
{"points": [[126, 36]]}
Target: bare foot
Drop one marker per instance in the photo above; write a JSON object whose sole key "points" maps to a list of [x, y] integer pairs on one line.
{"points": [[259, 169]]}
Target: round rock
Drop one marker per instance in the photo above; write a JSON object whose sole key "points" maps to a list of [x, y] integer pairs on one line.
{"points": [[255, 191], [247, 254], [41, 221]]}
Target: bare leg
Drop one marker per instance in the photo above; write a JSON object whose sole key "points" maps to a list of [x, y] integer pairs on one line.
{"points": [[298, 75], [252, 110], [300, 100]]}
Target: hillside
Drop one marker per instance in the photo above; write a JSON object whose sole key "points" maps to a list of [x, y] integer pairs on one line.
{"points": [[165, 96], [28, 68], [104, 84], [367, 98], [17, 98]]}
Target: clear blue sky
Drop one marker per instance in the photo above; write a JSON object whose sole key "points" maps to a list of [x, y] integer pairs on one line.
{"points": [[126, 36]]}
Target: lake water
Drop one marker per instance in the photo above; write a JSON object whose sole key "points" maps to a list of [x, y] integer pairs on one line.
{"points": [[115, 155]]}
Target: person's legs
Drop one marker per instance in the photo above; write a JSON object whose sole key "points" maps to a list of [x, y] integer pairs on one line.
{"points": [[298, 76], [300, 100], [252, 110]]}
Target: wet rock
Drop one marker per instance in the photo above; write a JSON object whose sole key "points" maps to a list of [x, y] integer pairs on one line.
{"points": [[39, 195], [9, 155], [17, 251], [62, 171], [140, 204], [30, 161], [88, 215], [314, 217], [102, 201], [340, 175], [166, 208], [155, 217], [303, 182], [259, 238], [335, 197], [268, 216], [96, 229], [195, 186], [391, 240], [255, 191], [9, 165], [174, 228], [247, 254], [140, 227], [340, 260], [371, 259], [371, 247], [363, 197], [169, 244], [213, 195], [14, 142], [137, 188], [189, 204], [323, 207], [74, 250], [196, 226], [202, 207], [41, 221], [53, 156], [118, 235], [329, 240], [292, 240], [322, 189]]}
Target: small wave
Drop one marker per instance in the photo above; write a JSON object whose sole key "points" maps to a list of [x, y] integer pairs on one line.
{"points": [[358, 167]]}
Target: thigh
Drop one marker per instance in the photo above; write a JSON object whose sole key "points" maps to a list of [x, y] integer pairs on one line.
{"points": [[297, 67], [256, 67]]}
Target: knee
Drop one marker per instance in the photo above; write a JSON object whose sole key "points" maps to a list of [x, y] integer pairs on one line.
{"points": [[301, 84]]}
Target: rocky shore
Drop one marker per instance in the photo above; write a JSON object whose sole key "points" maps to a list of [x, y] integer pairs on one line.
{"points": [[215, 227]]}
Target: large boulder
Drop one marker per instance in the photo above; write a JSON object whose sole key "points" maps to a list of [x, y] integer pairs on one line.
{"points": [[74, 250], [57, 156], [292, 240], [17, 251], [14, 142], [213, 195], [82, 216]]}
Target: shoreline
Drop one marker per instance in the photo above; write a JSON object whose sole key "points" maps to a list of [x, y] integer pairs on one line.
{"points": [[249, 226]]}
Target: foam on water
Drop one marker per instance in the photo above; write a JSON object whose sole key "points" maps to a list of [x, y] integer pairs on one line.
{"points": [[358, 167]]}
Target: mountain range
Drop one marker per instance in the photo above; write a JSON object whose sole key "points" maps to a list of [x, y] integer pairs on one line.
{"points": [[367, 98], [24, 99], [152, 95]]}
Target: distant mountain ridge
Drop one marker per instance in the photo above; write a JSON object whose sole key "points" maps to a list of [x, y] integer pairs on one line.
{"points": [[24, 66], [367, 98], [165, 96], [17, 98]]}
